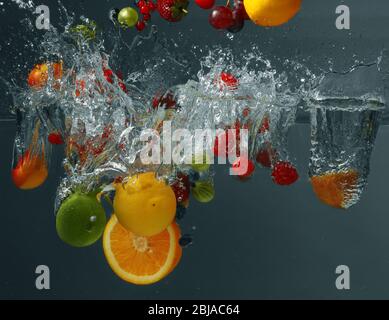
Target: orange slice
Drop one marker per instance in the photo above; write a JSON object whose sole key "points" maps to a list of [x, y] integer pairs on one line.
{"points": [[141, 260], [336, 188]]}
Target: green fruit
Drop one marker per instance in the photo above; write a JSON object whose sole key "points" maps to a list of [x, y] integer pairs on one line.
{"points": [[200, 163], [128, 17], [203, 191], [80, 220]]}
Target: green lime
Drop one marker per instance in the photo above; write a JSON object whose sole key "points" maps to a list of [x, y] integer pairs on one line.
{"points": [[203, 191], [80, 220], [128, 17], [200, 163]]}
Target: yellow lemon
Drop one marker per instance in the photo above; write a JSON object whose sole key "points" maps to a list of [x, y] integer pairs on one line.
{"points": [[144, 205], [270, 13]]}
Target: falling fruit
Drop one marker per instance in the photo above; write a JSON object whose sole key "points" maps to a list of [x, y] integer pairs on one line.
{"points": [[30, 171], [144, 204], [128, 17], [39, 75], [336, 189], [243, 167], [203, 191], [284, 173], [270, 13], [138, 259], [80, 220]]}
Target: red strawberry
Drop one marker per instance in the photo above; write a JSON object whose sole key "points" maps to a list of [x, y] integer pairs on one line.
{"points": [[172, 10], [284, 173]]}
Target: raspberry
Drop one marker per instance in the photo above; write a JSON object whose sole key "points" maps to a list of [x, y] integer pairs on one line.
{"points": [[284, 173], [264, 158], [239, 171]]}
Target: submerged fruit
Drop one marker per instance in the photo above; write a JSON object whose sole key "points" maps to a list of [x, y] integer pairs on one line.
{"points": [[269, 13], [243, 167], [30, 171], [141, 260], [336, 189], [39, 75], [203, 191], [145, 205], [284, 173], [80, 220]]}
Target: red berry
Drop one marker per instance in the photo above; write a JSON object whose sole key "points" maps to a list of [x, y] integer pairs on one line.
{"points": [[221, 18], [122, 86], [181, 187], [240, 172], [146, 17], [229, 80], [55, 138], [284, 173], [108, 74], [144, 9], [141, 3], [152, 6], [205, 4], [172, 10], [140, 25], [263, 157]]}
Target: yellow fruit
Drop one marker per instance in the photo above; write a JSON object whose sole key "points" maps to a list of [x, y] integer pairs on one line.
{"points": [[144, 205], [270, 13], [141, 260]]}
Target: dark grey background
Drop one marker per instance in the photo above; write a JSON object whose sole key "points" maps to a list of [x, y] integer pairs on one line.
{"points": [[256, 240]]}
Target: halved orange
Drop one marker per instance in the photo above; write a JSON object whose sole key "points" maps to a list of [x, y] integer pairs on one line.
{"points": [[336, 188], [141, 260]]}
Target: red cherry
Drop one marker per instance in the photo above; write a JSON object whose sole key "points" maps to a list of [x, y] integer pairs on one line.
{"points": [[181, 187], [229, 80], [55, 138], [205, 4], [140, 25], [236, 167], [240, 8], [221, 18], [284, 173]]}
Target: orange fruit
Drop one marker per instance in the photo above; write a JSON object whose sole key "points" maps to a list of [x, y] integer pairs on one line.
{"points": [[336, 188], [39, 75], [144, 204], [141, 260], [270, 13], [30, 172]]}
